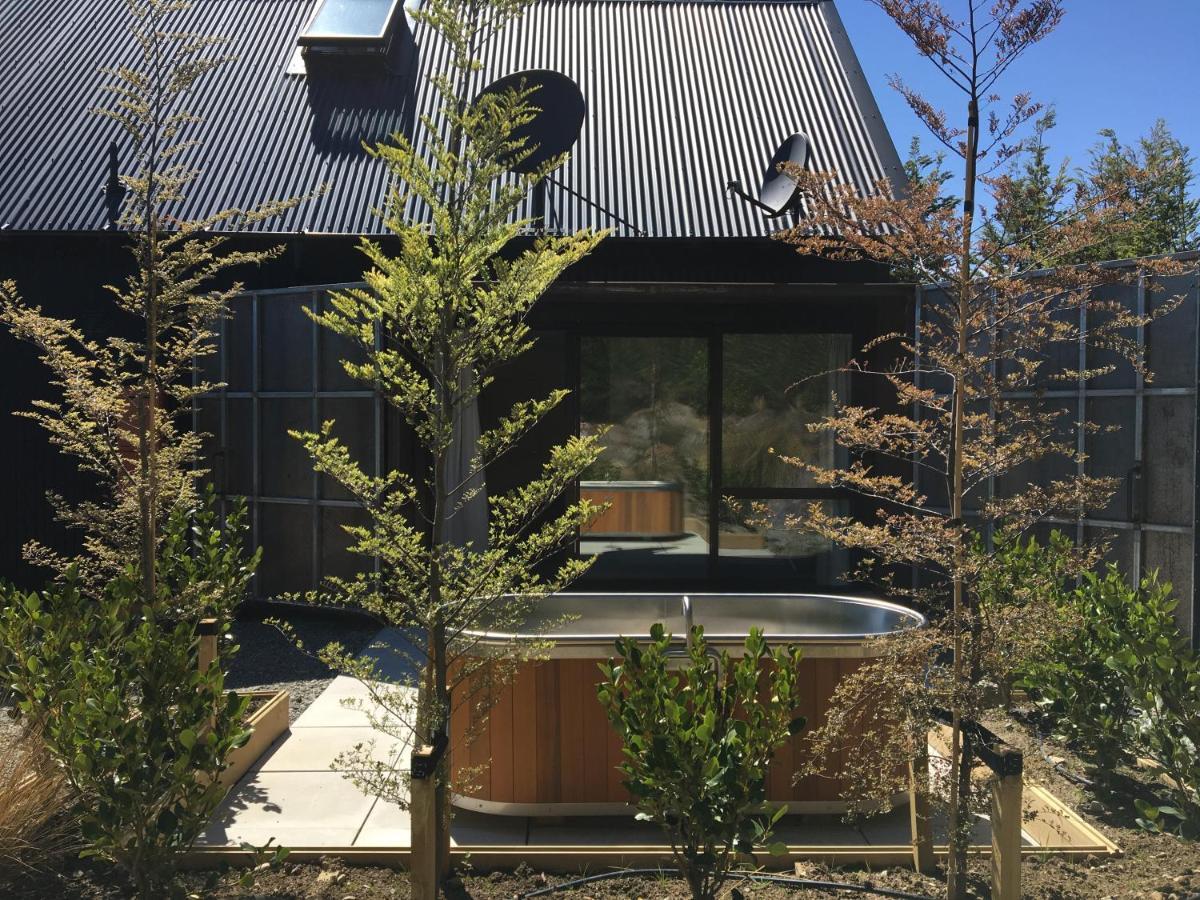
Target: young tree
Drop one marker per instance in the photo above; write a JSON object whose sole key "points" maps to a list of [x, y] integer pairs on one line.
{"points": [[928, 170], [697, 744], [104, 661], [968, 386], [431, 327], [1154, 178], [122, 396], [111, 687]]}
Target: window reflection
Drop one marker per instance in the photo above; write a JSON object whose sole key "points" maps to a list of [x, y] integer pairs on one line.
{"points": [[649, 397], [767, 538], [773, 388]]}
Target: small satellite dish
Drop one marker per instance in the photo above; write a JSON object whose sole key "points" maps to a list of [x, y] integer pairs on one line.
{"points": [[778, 191], [555, 128]]}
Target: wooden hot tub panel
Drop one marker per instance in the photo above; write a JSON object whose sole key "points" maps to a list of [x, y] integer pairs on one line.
{"points": [[549, 741], [635, 513]]}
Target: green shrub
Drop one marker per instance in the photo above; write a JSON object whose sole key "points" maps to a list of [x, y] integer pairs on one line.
{"points": [[1022, 586], [1161, 677], [141, 734], [697, 743], [1127, 687], [1085, 699]]}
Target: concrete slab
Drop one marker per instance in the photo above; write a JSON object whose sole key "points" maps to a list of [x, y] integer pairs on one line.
{"points": [[593, 831], [388, 826], [330, 710], [889, 830], [818, 831], [297, 808], [309, 749]]}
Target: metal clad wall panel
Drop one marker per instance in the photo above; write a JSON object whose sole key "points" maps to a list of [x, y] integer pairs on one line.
{"points": [[682, 97]]}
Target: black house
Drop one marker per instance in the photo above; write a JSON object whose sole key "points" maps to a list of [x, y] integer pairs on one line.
{"points": [[685, 332]]}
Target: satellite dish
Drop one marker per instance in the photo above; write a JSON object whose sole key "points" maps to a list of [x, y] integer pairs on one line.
{"points": [[778, 191], [555, 127]]}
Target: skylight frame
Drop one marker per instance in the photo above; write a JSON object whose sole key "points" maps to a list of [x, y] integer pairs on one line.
{"points": [[308, 39]]}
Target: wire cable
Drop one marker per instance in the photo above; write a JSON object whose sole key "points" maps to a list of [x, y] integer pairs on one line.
{"points": [[745, 876]]}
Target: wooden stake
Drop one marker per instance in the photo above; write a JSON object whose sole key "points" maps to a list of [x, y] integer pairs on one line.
{"points": [[423, 825], [918, 809], [207, 651], [1006, 834]]}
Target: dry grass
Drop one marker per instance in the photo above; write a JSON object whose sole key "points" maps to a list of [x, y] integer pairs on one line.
{"points": [[35, 828]]}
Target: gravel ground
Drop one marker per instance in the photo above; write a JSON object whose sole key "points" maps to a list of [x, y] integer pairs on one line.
{"points": [[269, 661], [9, 729]]}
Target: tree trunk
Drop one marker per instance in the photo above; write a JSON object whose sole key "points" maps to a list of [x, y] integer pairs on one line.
{"points": [[148, 451], [429, 802], [960, 764], [148, 424], [429, 807]]}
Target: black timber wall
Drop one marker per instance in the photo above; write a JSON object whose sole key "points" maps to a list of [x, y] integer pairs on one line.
{"points": [[65, 273]]}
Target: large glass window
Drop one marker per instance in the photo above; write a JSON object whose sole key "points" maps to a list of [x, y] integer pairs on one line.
{"points": [[649, 397], [660, 411], [773, 388]]}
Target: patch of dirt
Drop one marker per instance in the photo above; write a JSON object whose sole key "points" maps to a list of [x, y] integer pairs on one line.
{"points": [[1157, 866], [1154, 867]]}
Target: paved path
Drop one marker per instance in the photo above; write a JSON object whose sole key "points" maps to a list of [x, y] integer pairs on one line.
{"points": [[295, 796]]}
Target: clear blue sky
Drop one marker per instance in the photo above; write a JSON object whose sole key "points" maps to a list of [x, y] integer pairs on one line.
{"points": [[1117, 64]]}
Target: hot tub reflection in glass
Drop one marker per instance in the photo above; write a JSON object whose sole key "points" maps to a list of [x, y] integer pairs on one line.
{"points": [[546, 747]]}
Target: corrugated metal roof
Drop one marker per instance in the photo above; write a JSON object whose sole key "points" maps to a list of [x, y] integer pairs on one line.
{"points": [[682, 97]]}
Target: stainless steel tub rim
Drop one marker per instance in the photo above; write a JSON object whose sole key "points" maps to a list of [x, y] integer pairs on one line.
{"points": [[793, 618]]}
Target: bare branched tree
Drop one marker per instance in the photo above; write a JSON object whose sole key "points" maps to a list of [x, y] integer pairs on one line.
{"points": [[968, 388]]}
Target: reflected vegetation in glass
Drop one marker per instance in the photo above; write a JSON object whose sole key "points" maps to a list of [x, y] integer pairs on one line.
{"points": [[762, 534], [773, 388], [649, 397]]}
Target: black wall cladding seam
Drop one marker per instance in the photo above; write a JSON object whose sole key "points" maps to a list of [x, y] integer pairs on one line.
{"points": [[682, 97]]}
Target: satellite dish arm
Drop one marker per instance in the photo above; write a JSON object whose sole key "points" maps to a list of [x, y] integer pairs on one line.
{"points": [[592, 203], [735, 187]]}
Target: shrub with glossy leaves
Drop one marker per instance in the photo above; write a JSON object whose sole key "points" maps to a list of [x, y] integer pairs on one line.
{"points": [[1160, 675], [1127, 686], [697, 741], [113, 685], [1084, 698]]}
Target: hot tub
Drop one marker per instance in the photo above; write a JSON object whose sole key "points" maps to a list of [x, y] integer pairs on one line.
{"points": [[546, 748], [641, 510]]}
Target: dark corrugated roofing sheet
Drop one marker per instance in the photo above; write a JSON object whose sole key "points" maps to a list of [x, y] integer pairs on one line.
{"points": [[682, 97]]}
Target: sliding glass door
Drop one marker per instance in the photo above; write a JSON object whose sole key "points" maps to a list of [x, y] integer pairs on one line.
{"points": [[648, 396], [698, 431]]}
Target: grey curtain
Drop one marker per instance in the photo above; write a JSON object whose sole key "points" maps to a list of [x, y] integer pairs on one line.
{"points": [[467, 523]]}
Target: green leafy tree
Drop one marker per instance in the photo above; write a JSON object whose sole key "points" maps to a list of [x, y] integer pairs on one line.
{"points": [[697, 743], [927, 172], [139, 731], [1032, 196], [106, 657], [121, 397], [1155, 178], [431, 327]]}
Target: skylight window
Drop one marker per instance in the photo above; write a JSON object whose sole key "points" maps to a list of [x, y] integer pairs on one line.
{"points": [[350, 24]]}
